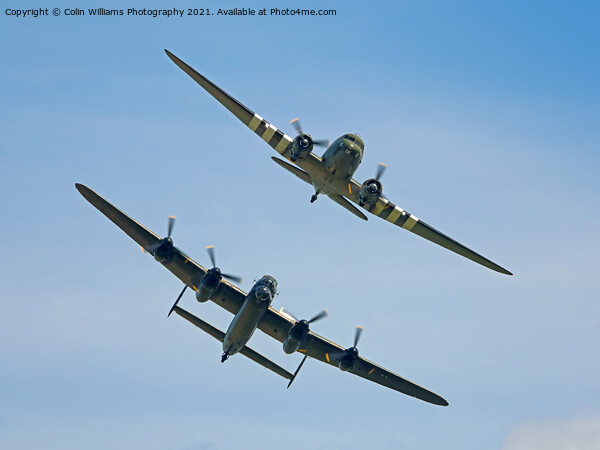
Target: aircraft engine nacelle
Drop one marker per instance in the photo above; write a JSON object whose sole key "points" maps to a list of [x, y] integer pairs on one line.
{"points": [[301, 147], [291, 344], [203, 295], [207, 287], [346, 364], [370, 192], [164, 252]]}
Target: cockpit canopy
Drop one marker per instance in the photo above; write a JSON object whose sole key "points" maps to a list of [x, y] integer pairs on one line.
{"points": [[355, 138]]}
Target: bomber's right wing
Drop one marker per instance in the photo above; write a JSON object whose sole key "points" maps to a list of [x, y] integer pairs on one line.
{"points": [[277, 325]]}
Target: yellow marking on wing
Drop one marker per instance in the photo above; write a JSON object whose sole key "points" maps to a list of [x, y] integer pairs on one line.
{"points": [[195, 288], [372, 370], [327, 357], [302, 350], [186, 260], [350, 188]]}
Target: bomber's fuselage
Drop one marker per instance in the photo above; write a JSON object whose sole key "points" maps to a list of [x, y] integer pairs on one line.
{"points": [[249, 315]]}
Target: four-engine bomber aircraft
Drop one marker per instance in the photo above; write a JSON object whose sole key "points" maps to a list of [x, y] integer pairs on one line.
{"points": [[251, 310], [332, 173]]}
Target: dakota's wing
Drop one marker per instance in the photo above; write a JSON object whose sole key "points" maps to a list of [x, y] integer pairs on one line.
{"points": [[342, 201], [277, 325], [268, 132], [220, 336], [387, 210], [304, 176], [181, 265]]}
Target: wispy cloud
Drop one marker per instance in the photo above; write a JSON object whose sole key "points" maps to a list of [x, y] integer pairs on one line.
{"points": [[575, 434]]}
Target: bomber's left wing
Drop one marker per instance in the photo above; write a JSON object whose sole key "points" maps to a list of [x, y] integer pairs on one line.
{"points": [[277, 325]]}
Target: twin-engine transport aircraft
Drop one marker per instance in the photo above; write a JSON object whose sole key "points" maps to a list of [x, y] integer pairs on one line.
{"points": [[252, 310], [331, 174]]}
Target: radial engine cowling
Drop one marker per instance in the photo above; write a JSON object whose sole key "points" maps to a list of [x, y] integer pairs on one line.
{"points": [[370, 192], [301, 147]]}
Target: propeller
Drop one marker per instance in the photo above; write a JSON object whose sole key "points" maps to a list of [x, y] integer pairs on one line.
{"points": [[171, 223], [357, 335], [211, 253], [372, 188], [351, 352], [317, 142], [302, 327], [170, 226], [380, 169], [316, 318]]}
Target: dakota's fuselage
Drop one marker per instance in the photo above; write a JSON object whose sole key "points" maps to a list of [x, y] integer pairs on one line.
{"points": [[250, 314], [340, 161]]}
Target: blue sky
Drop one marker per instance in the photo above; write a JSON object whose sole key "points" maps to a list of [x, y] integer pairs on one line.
{"points": [[487, 117]]}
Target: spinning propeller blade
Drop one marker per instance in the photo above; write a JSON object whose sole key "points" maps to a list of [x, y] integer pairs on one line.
{"points": [[357, 334], [380, 169], [319, 316], [296, 124], [233, 278], [316, 142], [171, 225], [211, 253], [152, 248]]}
